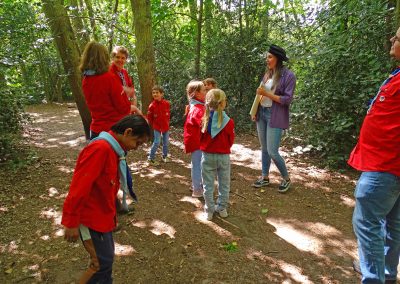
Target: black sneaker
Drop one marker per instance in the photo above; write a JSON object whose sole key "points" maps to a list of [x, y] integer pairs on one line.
{"points": [[285, 184], [261, 182]]}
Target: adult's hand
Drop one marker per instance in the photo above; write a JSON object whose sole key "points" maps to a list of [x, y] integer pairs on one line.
{"points": [[71, 234], [129, 91]]}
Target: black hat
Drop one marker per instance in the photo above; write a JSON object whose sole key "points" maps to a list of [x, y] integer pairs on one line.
{"points": [[278, 52]]}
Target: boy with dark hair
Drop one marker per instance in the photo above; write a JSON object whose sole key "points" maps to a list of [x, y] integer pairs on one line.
{"points": [[89, 209]]}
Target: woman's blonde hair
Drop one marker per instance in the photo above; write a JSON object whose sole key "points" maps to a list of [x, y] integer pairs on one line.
{"points": [[95, 57], [214, 100], [192, 88]]}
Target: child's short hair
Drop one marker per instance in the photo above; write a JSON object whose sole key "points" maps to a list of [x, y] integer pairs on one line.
{"points": [[158, 88], [120, 49], [193, 87], [210, 81], [138, 123]]}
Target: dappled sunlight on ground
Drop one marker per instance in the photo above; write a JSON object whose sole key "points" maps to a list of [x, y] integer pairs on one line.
{"points": [[158, 227], [202, 218], [192, 200], [123, 250], [315, 238], [280, 269]]}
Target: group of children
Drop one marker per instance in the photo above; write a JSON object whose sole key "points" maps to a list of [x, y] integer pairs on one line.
{"points": [[89, 210], [208, 137]]}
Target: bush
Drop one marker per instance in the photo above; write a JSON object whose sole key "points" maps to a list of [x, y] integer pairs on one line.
{"points": [[11, 119]]}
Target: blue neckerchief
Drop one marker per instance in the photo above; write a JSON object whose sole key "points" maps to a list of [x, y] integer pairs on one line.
{"points": [[125, 177], [122, 77], [194, 102], [89, 72], [212, 126], [392, 74]]}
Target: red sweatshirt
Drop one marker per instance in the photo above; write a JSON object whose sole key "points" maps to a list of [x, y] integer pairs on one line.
{"points": [[93, 190], [221, 143], [191, 129], [106, 101], [159, 115], [378, 149], [128, 80]]}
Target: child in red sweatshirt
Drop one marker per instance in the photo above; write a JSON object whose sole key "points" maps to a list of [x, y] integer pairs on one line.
{"points": [[89, 209]]}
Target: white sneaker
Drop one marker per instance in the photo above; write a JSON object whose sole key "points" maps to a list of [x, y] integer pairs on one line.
{"points": [[209, 215], [197, 193], [165, 159], [223, 213]]}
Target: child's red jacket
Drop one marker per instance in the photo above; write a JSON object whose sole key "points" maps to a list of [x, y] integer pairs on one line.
{"points": [[191, 129], [220, 144], [93, 190], [158, 115]]}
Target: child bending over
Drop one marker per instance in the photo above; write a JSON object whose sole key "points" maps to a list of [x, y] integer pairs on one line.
{"points": [[89, 210]]}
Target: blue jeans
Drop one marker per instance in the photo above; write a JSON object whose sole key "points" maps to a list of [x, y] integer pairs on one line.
{"points": [[101, 251], [156, 143], [197, 183], [219, 164], [376, 223], [270, 139]]}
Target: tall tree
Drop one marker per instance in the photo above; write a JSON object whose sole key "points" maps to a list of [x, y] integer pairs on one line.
{"points": [[144, 49], [67, 46], [77, 21], [89, 8], [198, 41]]}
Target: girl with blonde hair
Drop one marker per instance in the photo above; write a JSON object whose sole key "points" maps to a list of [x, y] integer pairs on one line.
{"points": [[217, 136]]}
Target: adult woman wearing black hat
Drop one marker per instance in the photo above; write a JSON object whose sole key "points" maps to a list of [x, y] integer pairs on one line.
{"points": [[272, 117]]}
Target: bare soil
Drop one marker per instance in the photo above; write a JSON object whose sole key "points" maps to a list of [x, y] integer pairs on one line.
{"points": [[303, 236]]}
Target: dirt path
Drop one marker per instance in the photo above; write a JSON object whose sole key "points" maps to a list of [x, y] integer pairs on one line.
{"points": [[303, 236]]}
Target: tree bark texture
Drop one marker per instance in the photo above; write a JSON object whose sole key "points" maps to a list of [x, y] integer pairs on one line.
{"points": [[198, 41], [67, 47], [144, 49]]}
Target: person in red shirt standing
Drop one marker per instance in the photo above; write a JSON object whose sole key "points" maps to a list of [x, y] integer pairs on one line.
{"points": [[196, 93], [376, 217], [119, 56], [216, 141], [89, 209], [158, 116], [103, 92]]}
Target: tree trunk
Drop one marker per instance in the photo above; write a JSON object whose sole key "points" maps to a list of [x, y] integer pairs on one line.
{"points": [[113, 21], [144, 49], [89, 7], [198, 41], [79, 26], [68, 49]]}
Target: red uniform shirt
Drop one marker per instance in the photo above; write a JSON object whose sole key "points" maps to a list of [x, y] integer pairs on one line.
{"points": [[128, 80], [106, 101], [221, 143], [159, 115], [93, 190], [378, 148], [191, 129]]}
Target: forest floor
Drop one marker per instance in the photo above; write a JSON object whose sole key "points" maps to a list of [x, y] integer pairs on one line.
{"points": [[303, 236]]}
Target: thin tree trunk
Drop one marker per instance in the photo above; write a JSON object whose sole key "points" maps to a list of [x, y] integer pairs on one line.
{"points": [[79, 26], [198, 41], [68, 49], [144, 49], [113, 21], [89, 7]]}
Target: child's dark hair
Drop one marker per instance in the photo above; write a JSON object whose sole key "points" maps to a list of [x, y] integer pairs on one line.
{"points": [[138, 123], [210, 81], [158, 88]]}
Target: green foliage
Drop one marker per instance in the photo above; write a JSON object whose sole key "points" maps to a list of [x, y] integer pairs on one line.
{"points": [[11, 119], [340, 72]]}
